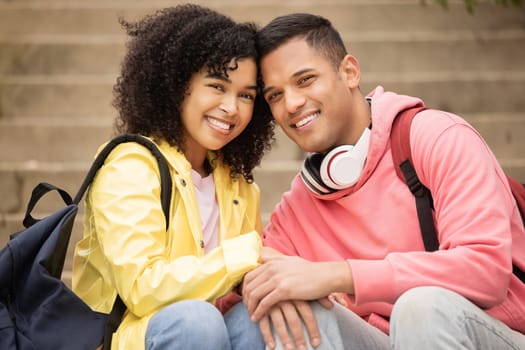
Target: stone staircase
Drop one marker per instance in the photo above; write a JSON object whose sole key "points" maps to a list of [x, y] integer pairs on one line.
{"points": [[60, 58]]}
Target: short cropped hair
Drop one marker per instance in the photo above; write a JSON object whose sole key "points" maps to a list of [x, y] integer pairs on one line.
{"points": [[318, 32]]}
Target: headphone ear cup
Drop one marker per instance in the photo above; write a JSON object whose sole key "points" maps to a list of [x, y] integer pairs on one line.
{"points": [[342, 166], [311, 176], [338, 169], [335, 167]]}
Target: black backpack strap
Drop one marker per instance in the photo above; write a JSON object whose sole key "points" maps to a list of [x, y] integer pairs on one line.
{"points": [[401, 153], [38, 192], [165, 177], [424, 205], [114, 319], [115, 316]]}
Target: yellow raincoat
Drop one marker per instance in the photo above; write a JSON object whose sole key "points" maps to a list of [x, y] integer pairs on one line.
{"points": [[126, 248]]}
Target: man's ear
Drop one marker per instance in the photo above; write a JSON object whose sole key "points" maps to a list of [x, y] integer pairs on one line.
{"points": [[350, 71]]}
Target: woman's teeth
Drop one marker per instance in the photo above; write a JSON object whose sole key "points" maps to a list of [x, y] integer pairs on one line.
{"points": [[219, 124]]}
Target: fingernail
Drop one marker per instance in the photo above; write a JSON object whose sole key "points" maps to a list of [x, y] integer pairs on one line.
{"points": [[302, 347], [316, 342], [289, 347], [271, 345]]}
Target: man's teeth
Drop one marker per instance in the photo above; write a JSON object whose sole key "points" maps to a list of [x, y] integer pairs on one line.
{"points": [[219, 124], [306, 120]]}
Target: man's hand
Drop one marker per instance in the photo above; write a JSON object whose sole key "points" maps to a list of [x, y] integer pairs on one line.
{"points": [[290, 314], [282, 278]]}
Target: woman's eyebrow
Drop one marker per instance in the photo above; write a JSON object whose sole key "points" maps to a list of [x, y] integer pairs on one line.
{"points": [[227, 80], [218, 76]]}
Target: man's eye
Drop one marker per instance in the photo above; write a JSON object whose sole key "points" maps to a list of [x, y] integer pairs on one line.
{"points": [[272, 97], [304, 80]]}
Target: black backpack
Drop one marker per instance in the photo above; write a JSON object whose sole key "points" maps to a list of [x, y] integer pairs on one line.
{"points": [[37, 310], [401, 153]]}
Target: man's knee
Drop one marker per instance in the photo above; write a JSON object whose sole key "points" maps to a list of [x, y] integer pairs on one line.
{"points": [[422, 298], [423, 306]]}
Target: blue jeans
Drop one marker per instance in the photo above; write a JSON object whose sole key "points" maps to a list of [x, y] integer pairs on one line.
{"points": [[422, 318], [196, 324]]}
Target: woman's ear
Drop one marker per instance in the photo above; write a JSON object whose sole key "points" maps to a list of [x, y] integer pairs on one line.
{"points": [[350, 71]]}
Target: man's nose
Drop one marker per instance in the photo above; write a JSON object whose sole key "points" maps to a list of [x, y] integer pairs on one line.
{"points": [[294, 100]]}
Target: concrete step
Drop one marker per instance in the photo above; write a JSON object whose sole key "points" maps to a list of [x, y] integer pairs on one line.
{"points": [[100, 17], [62, 55], [59, 139], [57, 96], [406, 52], [505, 137], [459, 92], [69, 142], [17, 180], [84, 97], [435, 52]]}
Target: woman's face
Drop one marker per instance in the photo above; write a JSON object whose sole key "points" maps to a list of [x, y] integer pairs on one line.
{"points": [[218, 108]]}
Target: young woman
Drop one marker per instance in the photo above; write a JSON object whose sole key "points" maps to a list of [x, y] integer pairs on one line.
{"points": [[188, 82]]}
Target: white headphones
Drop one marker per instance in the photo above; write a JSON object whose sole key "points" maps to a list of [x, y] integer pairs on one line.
{"points": [[338, 169]]}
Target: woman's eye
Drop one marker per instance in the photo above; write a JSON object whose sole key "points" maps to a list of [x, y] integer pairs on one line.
{"points": [[216, 87]]}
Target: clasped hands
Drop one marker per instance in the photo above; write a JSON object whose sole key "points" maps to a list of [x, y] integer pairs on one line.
{"points": [[278, 291]]}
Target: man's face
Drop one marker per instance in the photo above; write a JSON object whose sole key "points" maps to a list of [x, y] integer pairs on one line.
{"points": [[310, 99]]}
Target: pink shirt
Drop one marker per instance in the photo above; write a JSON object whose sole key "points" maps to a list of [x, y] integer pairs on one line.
{"points": [[209, 210], [374, 226]]}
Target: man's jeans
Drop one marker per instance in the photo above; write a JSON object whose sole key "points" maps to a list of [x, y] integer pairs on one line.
{"points": [[423, 318], [196, 325]]}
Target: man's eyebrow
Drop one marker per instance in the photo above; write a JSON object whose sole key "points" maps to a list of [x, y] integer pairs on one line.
{"points": [[302, 71], [266, 89], [296, 74]]}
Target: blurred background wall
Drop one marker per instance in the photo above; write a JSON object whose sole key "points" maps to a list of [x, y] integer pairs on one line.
{"points": [[60, 58]]}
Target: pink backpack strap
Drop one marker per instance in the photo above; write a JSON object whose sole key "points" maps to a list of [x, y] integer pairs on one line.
{"points": [[402, 156], [400, 137]]}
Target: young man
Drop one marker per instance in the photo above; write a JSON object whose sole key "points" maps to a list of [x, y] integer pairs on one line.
{"points": [[357, 230]]}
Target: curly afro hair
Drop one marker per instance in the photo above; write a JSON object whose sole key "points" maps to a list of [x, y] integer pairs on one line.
{"points": [[165, 50]]}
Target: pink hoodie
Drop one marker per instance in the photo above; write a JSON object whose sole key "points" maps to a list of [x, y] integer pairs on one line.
{"points": [[374, 223]]}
